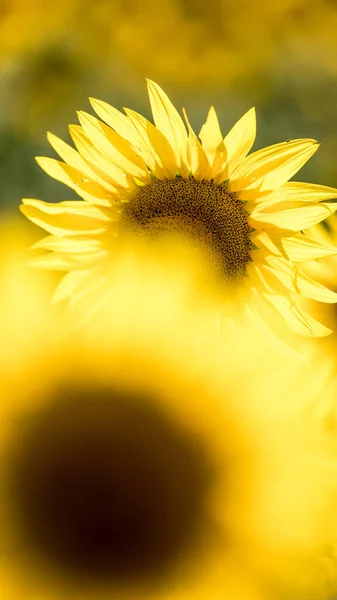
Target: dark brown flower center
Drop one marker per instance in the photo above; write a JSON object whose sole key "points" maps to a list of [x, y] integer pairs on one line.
{"points": [[107, 486], [204, 212]]}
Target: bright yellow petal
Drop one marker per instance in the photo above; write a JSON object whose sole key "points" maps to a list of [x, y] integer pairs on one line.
{"points": [[210, 133], [164, 163], [294, 216], [70, 156], [275, 293], [91, 163], [169, 122], [116, 120], [297, 319], [86, 188], [200, 167], [100, 164], [64, 218], [118, 150], [240, 139], [271, 167], [296, 281], [297, 248], [136, 129], [298, 191]]}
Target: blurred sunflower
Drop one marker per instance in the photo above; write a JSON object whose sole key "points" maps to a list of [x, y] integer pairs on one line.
{"points": [[24, 298], [148, 180], [114, 31], [134, 465]]}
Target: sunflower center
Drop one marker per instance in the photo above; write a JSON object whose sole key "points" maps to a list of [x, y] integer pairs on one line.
{"points": [[108, 486], [206, 213]]}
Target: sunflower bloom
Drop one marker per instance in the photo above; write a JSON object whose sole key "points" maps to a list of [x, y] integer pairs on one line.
{"points": [[146, 180], [134, 465]]}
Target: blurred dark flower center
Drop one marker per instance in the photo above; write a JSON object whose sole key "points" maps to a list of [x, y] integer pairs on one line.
{"points": [[203, 211], [108, 486]]}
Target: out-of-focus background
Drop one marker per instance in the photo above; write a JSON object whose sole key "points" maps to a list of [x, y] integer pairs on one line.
{"points": [[279, 56]]}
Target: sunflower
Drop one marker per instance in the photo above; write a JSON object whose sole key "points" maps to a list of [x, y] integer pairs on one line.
{"points": [[134, 465], [146, 181]]}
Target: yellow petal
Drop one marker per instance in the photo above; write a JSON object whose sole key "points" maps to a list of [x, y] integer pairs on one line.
{"points": [[294, 216], [240, 139], [164, 163], [271, 167], [69, 155], [62, 218], [116, 120], [297, 319], [95, 278], [210, 133], [213, 144], [275, 293], [169, 122], [296, 281], [297, 248], [266, 318], [118, 150], [82, 244], [199, 165], [68, 285], [103, 168], [88, 167], [57, 261], [298, 191], [86, 188]]}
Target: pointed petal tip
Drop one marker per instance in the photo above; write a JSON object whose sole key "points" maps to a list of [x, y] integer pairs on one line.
{"points": [[81, 115], [94, 101]]}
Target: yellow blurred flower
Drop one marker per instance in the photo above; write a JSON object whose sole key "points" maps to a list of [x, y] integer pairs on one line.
{"points": [[140, 459], [239, 211], [24, 300], [178, 40]]}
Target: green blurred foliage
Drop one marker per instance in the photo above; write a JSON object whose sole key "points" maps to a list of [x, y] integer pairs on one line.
{"points": [[280, 57]]}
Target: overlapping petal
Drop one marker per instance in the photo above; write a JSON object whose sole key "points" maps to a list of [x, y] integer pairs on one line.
{"points": [[116, 148], [271, 167], [293, 216], [210, 133], [160, 156], [297, 248], [240, 140], [86, 188], [102, 167], [67, 217], [169, 122]]}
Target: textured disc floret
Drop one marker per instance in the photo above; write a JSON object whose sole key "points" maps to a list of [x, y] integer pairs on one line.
{"points": [[203, 211]]}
